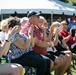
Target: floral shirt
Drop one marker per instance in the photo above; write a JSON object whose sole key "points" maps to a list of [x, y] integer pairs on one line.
{"points": [[14, 51]]}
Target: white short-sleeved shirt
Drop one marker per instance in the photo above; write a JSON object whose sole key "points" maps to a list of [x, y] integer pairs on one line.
{"points": [[2, 35]]}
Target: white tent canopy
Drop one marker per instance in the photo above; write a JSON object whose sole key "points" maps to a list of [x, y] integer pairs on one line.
{"points": [[45, 6]]}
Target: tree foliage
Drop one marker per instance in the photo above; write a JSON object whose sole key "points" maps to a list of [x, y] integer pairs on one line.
{"points": [[66, 1], [72, 2]]}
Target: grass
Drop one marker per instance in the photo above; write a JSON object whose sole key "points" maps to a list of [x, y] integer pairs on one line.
{"points": [[65, 73], [73, 71]]}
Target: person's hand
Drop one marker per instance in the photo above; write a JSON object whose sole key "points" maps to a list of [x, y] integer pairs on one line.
{"points": [[70, 31], [30, 32], [52, 45], [56, 30], [43, 28], [51, 28], [67, 48], [11, 33]]}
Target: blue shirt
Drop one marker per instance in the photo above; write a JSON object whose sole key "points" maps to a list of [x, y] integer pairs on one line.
{"points": [[16, 52]]}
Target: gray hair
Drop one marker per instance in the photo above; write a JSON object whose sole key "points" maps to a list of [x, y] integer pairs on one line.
{"points": [[24, 19]]}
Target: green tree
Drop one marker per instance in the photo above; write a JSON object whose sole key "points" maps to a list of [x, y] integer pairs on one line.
{"points": [[72, 2], [66, 1]]}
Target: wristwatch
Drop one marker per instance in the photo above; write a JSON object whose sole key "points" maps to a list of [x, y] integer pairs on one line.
{"points": [[6, 40]]}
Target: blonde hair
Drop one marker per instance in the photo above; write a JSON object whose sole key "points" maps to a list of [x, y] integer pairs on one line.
{"points": [[41, 17], [56, 23], [4, 24], [63, 22], [44, 20]]}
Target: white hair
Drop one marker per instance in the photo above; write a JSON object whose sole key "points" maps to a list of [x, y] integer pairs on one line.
{"points": [[24, 19]]}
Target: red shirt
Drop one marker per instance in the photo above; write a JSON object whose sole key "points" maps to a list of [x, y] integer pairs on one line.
{"points": [[65, 34], [38, 34]]}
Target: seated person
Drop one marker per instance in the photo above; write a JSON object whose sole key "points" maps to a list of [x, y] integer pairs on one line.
{"points": [[39, 48], [22, 52], [4, 29], [67, 36], [9, 68], [54, 51]]}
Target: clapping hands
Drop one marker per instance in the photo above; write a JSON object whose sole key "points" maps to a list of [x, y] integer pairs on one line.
{"points": [[11, 33], [30, 32]]}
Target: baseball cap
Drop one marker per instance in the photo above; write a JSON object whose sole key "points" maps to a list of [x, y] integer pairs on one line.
{"points": [[32, 13]]}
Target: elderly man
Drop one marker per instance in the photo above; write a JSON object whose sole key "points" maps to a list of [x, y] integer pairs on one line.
{"points": [[40, 46]]}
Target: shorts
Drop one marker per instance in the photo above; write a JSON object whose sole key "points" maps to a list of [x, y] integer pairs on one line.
{"points": [[57, 53], [61, 49], [73, 48], [52, 57]]}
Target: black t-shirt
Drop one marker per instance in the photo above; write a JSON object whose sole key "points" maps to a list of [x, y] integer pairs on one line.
{"points": [[59, 46]]}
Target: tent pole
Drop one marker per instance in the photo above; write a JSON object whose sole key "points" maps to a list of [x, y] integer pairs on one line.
{"points": [[51, 16], [1, 15]]}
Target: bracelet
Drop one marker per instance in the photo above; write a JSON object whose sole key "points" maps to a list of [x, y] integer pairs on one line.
{"points": [[6, 40]]}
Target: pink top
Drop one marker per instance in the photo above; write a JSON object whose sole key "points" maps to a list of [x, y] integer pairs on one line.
{"points": [[38, 34]]}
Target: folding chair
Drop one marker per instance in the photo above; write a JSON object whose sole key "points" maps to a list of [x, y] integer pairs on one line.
{"points": [[29, 70], [3, 59]]}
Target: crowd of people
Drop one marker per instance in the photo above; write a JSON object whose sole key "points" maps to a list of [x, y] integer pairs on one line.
{"points": [[29, 41]]}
